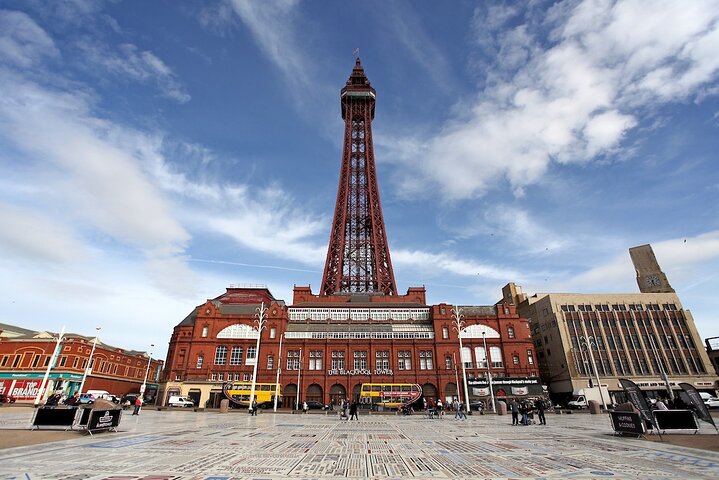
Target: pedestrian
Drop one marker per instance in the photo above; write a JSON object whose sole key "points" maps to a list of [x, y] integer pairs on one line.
{"points": [[138, 404], [524, 412], [74, 400], [254, 407], [540, 406], [515, 412], [305, 407], [660, 405], [440, 408], [353, 411]]}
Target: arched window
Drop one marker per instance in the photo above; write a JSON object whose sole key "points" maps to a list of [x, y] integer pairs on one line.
{"points": [[221, 355]]}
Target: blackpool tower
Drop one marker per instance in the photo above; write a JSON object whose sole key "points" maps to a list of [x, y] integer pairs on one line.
{"points": [[358, 258]]}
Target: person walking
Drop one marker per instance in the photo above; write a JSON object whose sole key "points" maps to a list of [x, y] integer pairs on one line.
{"points": [[138, 404], [515, 412], [440, 408], [305, 407], [254, 407], [540, 406], [353, 411]]}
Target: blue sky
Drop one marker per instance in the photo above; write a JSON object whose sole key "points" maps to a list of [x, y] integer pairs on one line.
{"points": [[152, 153]]}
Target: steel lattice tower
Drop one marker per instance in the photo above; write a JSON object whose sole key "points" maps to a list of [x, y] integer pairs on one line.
{"points": [[358, 255]]}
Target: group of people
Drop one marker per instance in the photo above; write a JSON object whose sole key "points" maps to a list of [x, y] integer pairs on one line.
{"points": [[526, 409]]}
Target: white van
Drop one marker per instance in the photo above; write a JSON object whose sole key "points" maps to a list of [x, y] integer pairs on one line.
{"points": [[100, 394], [176, 401]]}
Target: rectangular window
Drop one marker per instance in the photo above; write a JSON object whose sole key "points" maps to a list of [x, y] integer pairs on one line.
{"points": [[510, 332], [425, 360], [466, 357], [293, 360], [36, 360], [445, 333], [316, 360], [382, 360], [404, 360], [530, 358], [338, 360], [63, 361], [199, 361], [447, 362], [221, 355], [246, 377], [270, 362], [515, 359], [236, 356], [360, 360], [220, 377], [480, 357], [214, 377]]}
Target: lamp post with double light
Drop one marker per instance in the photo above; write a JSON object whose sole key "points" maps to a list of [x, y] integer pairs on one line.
{"points": [[260, 325], [587, 343], [489, 371], [458, 326], [147, 370], [42, 390], [89, 361]]}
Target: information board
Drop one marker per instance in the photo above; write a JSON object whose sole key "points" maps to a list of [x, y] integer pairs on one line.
{"points": [[628, 422]]}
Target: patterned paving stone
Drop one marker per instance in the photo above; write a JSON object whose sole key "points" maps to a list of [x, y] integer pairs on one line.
{"points": [[208, 446]]}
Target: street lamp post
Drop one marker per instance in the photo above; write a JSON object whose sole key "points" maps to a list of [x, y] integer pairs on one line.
{"points": [[489, 371], [456, 377], [588, 343], [89, 361], [459, 327], [661, 367], [147, 370], [260, 321], [299, 371], [279, 369], [41, 390]]}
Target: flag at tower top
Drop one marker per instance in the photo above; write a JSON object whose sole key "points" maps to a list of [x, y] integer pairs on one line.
{"points": [[358, 259]]}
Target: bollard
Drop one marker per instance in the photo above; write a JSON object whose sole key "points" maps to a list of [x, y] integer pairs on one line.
{"points": [[594, 407], [501, 407], [224, 405]]}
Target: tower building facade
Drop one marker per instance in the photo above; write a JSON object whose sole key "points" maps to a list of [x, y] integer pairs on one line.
{"points": [[357, 329]]}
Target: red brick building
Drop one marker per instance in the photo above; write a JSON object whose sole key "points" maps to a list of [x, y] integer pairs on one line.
{"points": [[358, 329], [345, 340], [25, 355]]}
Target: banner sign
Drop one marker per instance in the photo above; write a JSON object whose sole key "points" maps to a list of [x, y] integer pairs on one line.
{"points": [[628, 422], [104, 419], [519, 391], [676, 420], [521, 382], [480, 392], [636, 396], [360, 371], [698, 403], [54, 417]]}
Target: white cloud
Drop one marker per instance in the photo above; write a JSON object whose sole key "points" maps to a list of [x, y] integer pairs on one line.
{"points": [[25, 233], [136, 64], [569, 102], [432, 263], [22, 41]]}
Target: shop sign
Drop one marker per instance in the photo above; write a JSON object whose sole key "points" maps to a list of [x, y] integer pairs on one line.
{"points": [[360, 371]]}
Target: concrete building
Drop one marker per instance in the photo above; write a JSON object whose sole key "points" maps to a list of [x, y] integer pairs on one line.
{"points": [[639, 336], [25, 355]]}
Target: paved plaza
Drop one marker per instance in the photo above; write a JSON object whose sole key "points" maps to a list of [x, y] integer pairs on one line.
{"points": [[210, 445]]}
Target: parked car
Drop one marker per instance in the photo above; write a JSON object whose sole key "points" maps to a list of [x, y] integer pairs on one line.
{"points": [[712, 402], [86, 399], [6, 398], [314, 405], [477, 406]]}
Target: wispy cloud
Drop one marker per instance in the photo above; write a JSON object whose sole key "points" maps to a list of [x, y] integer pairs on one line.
{"points": [[22, 41], [604, 69], [129, 61], [429, 263]]}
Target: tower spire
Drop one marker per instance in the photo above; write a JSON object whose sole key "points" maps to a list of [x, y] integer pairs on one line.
{"points": [[358, 254]]}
